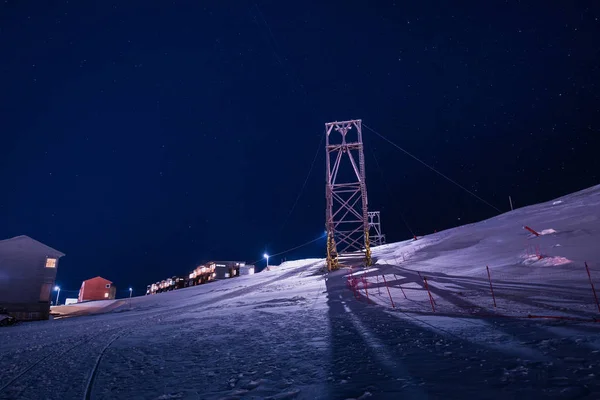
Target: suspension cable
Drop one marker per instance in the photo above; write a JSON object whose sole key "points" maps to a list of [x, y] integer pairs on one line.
{"points": [[291, 249], [388, 188], [431, 168], [312, 165]]}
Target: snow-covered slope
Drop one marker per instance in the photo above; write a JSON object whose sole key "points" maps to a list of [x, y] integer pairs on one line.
{"points": [[530, 274], [297, 332]]}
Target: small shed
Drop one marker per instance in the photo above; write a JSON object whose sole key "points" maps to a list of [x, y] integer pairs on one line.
{"points": [[97, 288], [27, 276]]}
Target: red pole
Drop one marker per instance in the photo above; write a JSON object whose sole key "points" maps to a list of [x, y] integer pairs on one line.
{"points": [[531, 230], [491, 287], [378, 288], [592, 284], [430, 297], [388, 289]]}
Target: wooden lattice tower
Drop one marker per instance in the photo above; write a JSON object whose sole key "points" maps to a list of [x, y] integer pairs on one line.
{"points": [[347, 221]]}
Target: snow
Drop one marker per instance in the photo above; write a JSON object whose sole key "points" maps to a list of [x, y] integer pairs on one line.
{"points": [[296, 332]]}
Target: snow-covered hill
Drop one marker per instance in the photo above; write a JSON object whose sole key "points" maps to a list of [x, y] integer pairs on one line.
{"points": [[296, 332], [540, 275]]}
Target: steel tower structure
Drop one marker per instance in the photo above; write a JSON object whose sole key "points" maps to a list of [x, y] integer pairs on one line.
{"points": [[375, 235], [346, 215]]}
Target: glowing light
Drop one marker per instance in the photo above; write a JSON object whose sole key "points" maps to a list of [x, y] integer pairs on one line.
{"points": [[56, 288], [266, 256]]}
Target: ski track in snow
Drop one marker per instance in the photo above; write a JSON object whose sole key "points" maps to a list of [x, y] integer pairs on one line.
{"points": [[297, 333]]}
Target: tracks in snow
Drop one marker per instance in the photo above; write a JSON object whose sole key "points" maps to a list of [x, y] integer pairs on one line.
{"points": [[36, 373]]}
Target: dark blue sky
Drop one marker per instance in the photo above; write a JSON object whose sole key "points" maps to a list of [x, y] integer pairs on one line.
{"points": [[141, 138]]}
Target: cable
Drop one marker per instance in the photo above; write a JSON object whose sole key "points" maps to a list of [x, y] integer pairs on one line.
{"points": [[388, 189], [431, 168], [312, 165], [291, 249], [297, 247]]}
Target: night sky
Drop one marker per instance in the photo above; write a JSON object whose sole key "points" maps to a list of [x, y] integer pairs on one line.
{"points": [[142, 138]]}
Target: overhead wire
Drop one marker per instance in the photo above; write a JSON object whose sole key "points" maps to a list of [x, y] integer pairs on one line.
{"points": [[295, 81], [292, 249], [432, 168], [389, 189], [312, 165]]}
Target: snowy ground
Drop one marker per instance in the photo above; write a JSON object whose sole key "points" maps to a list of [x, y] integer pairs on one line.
{"points": [[294, 332]]}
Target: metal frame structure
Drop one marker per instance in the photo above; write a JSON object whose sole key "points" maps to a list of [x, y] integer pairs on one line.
{"points": [[375, 235], [346, 216]]}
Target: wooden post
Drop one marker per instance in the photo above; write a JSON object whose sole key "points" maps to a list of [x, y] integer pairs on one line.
{"points": [[430, 297], [491, 287], [388, 289], [592, 284]]}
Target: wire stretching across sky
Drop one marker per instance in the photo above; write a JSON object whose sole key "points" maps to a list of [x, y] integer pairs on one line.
{"points": [[388, 189], [295, 81], [293, 248], [312, 166], [431, 168]]}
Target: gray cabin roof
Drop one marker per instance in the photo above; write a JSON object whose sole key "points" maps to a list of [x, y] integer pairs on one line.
{"points": [[32, 242]]}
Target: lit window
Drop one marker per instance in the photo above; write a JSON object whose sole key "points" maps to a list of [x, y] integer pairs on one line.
{"points": [[107, 285], [105, 295], [50, 262]]}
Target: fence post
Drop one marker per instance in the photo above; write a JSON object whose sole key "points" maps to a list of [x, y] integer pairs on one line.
{"points": [[388, 289], [430, 297], [592, 284], [491, 287]]}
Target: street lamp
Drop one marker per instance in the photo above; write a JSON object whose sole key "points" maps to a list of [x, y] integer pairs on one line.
{"points": [[267, 257], [130, 292], [57, 289]]}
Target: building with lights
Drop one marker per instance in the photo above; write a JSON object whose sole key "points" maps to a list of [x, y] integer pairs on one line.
{"points": [[96, 288], [27, 275], [204, 273]]}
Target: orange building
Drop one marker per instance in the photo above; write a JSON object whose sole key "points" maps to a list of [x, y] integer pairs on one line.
{"points": [[96, 288]]}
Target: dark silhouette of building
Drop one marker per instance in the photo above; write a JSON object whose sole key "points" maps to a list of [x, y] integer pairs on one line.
{"points": [[27, 275]]}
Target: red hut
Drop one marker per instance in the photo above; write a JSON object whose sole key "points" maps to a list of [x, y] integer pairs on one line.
{"points": [[96, 288]]}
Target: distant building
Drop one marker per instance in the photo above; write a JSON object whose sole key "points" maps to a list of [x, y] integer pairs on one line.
{"points": [[69, 301], [27, 275], [246, 269], [204, 273], [227, 269], [97, 288]]}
